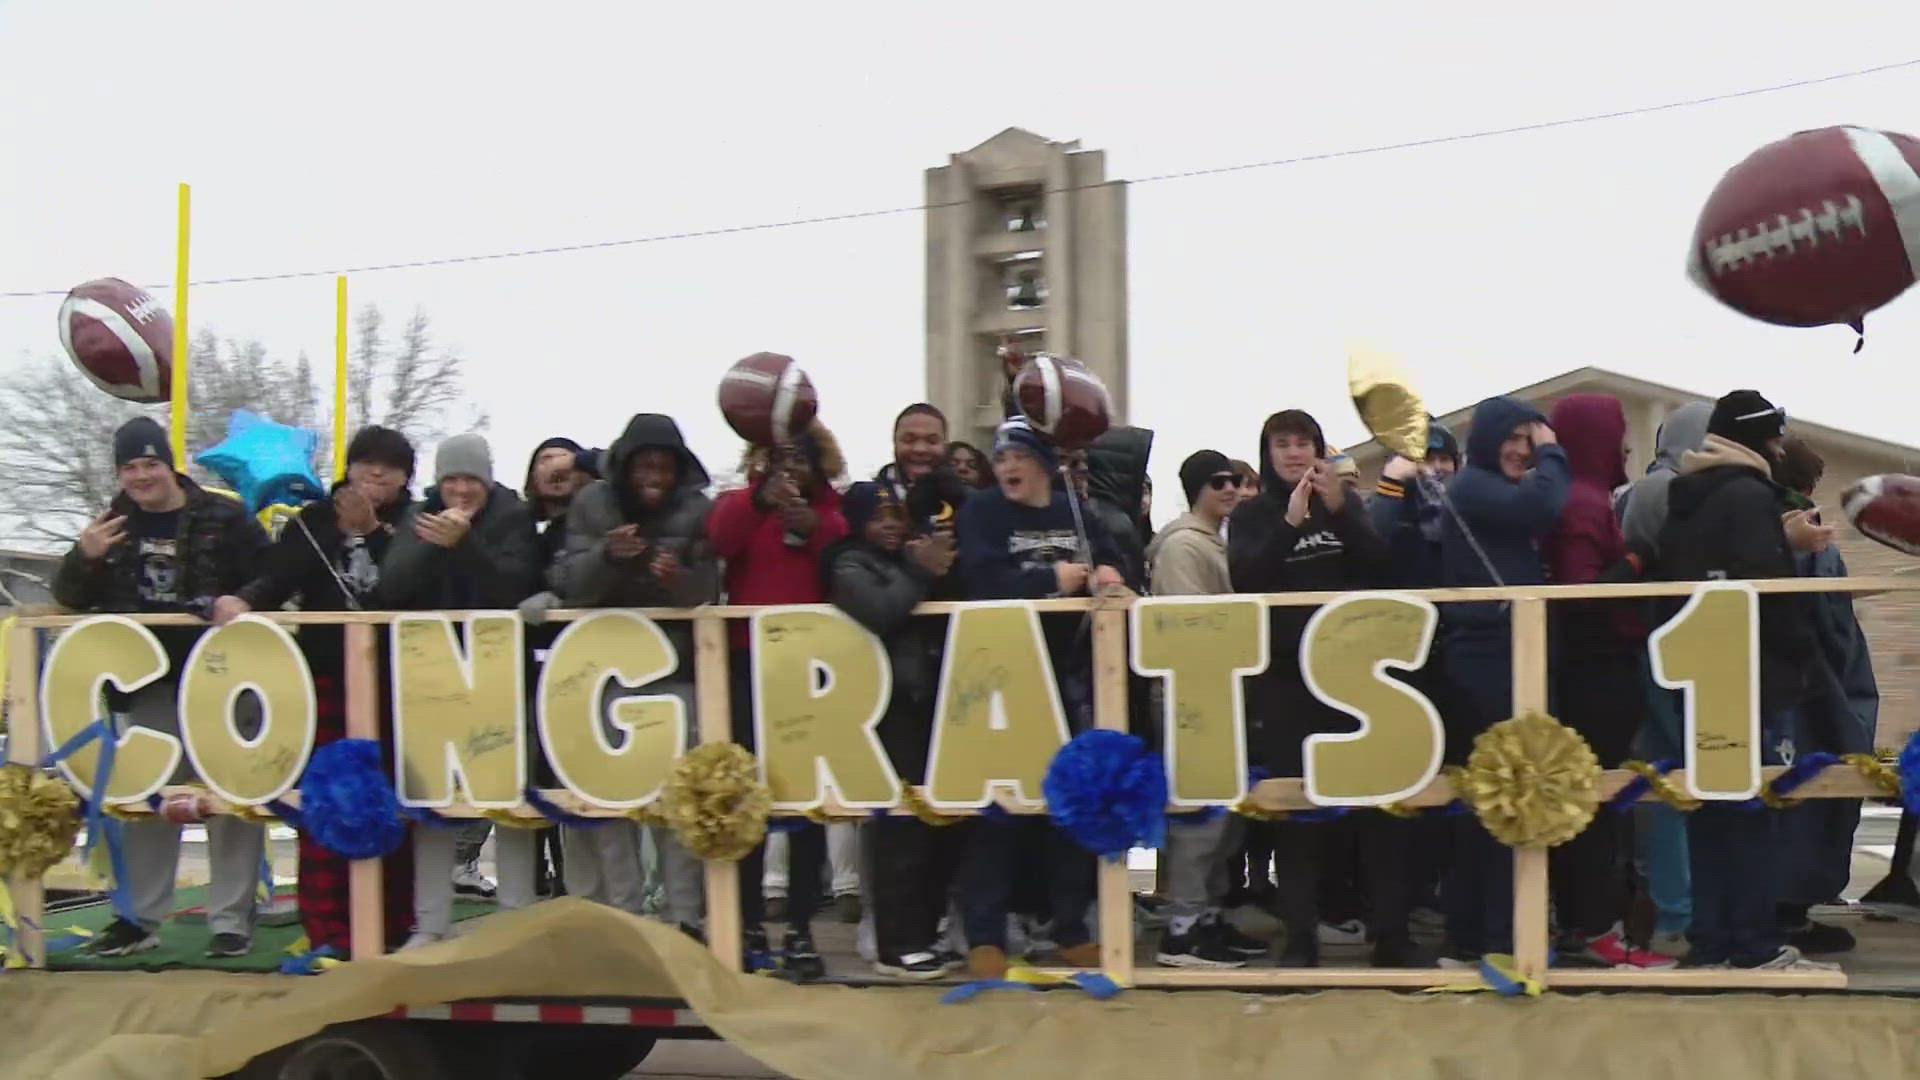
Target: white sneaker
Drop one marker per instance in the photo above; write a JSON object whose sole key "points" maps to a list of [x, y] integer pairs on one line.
{"points": [[1790, 959], [1351, 932], [864, 941], [1669, 943], [469, 881], [420, 938]]}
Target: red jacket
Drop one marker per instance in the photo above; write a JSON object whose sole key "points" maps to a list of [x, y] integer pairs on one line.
{"points": [[1592, 429], [761, 568]]}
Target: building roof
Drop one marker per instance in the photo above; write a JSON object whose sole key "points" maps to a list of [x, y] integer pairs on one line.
{"points": [[1594, 379]]}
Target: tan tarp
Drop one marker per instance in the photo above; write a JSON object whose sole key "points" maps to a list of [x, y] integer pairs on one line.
{"points": [[195, 1024]]}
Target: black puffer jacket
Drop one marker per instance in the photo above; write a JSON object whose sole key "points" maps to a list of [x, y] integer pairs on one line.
{"points": [[586, 576], [1116, 485], [1723, 522], [491, 568], [879, 591]]}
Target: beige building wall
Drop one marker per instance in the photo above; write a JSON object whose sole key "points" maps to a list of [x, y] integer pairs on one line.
{"points": [[1079, 254], [1891, 621]]}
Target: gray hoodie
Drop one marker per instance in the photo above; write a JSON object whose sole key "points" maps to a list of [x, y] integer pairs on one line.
{"points": [[1189, 558], [1644, 512]]}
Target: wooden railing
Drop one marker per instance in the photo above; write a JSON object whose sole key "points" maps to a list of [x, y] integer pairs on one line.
{"points": [[27, 743]]}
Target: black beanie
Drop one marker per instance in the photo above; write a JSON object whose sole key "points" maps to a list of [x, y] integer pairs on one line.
{"points": [[381, 446], [1196, 470], [1745, 417], [141, 437]]}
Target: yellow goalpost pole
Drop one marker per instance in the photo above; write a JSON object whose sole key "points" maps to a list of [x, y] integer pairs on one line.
{"points": [[178, 426], [339, 377]]}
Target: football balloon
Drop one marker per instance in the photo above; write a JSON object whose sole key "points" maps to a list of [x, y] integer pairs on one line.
{"points": [[1063, 400], [1886, 508], [767, 399], [120, 338], [1820, 227]]}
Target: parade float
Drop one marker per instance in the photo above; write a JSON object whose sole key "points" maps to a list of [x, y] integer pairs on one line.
{"points": [[570, 988]]}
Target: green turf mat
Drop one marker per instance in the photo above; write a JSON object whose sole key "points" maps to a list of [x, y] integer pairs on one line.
{"points": [[185, 944]]}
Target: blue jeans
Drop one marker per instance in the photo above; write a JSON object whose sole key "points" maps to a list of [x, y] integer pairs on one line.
{"points": [[1660, 831], [1736, 880], [997, 853]]}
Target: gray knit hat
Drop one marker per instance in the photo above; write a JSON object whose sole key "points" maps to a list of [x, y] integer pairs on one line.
{"points": [[464, 455]]}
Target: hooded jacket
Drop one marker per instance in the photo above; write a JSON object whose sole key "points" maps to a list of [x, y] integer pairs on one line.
{"points": [[1592, 429], [309, 561], [760, 567], [1116, 485], [1723, 523], [1509, 518], [933, 504], [586, 576], [1189, 558], [1645, 509], [492, 567]]}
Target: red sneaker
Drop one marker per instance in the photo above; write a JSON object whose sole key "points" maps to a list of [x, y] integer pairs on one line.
{"points": [[1613, 950]]}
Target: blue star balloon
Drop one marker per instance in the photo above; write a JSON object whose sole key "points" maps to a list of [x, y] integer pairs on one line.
{"points": [[264, 462]]}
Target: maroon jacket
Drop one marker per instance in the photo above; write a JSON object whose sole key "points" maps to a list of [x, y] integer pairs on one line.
{"points": [[1592, 429]]}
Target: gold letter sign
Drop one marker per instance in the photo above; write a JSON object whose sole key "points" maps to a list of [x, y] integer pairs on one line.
{"points": [[610, 645], [1204, 647], [101, 650], [1710, 652], [821, 682], [248, 653], [459, 716], [998, 719], [1344, 655]]}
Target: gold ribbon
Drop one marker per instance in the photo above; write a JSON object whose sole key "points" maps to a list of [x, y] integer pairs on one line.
{"points": [[917, 805], [1663, 788], [1876, 771]]}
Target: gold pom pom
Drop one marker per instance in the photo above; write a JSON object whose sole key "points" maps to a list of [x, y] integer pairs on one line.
{"points": [[1533, 781], [39, 819], [715, 802]]}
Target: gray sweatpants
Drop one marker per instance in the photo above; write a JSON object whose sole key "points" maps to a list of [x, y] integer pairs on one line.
{"points": [[1196, 857], [235, 848], [603, 865], [437, 851]]}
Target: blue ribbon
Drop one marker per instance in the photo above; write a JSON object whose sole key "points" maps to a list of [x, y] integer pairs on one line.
{"points": [[787, 824], [308, 963], [433, 819], [555, 813], [1094, 983], [99, 825], [1804, 768]]}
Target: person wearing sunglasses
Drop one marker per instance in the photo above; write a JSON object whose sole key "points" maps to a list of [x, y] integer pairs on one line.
{"points": [[1189, 558]]}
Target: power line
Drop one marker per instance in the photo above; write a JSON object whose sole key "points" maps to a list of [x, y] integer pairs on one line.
{"points": [[1438, 140]]}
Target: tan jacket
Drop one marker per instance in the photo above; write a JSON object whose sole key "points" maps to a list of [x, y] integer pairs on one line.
{"points": [[1189, 558]]}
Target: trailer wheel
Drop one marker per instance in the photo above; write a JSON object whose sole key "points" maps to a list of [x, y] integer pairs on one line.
{"points": [[370, 1050], [589, 1051]]}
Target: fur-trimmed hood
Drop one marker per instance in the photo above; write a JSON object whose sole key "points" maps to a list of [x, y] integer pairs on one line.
{"points": [[829, 462]]}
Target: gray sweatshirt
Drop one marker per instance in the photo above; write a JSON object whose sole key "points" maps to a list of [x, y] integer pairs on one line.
{"points": [[1645, 509]]}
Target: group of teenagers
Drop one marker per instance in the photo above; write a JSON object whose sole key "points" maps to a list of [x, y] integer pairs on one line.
{"points": [[1533, 499]]}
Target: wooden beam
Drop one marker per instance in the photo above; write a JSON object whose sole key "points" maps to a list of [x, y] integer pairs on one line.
{"points": [[1110, 712], [714, 709], [1530, 933], [1695, 979], [366, 902], [1297, 978], [24, 742]]}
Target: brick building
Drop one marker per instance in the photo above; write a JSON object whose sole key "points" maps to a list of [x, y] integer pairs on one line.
{"points": [[1891, 621]]}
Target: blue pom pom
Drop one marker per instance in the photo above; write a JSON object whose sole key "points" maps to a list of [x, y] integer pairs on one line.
{"points": [[1910, 774], [1108, 792], [347, 804]]}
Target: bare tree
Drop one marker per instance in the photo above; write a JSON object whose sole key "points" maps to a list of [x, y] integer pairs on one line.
{"points": [[56, 428]]}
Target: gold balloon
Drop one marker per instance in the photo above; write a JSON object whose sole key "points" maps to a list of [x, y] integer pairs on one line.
{"points": [[1387, 401]]}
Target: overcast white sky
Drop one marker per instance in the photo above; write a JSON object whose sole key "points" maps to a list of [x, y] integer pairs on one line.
{"points": [[369, 132]]}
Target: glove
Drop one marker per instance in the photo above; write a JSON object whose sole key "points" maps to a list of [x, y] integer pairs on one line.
{"points": [[534, 608]]}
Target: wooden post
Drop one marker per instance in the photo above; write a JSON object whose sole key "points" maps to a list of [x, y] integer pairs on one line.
{"points": [[1110, 711], [23, 746], [713, 702], [1530, 944], [366, 911]]}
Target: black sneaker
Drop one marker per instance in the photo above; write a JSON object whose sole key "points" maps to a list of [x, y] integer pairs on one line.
{"points": [[1236, 940], [124, 938], [754, 954], [1395, 951], [800, 958], [1818, 937], [1197, 948], [229, 945], [918, 966]]}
